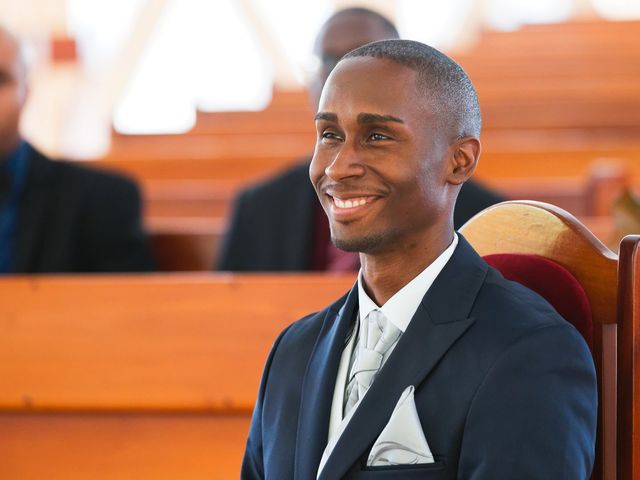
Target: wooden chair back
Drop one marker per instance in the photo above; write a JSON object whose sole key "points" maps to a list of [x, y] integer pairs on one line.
{"points": [[628, 459], [528, 227]]}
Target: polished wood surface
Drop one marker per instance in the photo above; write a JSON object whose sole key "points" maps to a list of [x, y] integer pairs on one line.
{"points": [[146, 342], [629, 359], [186, 244], [121, 446], [139, 376]]}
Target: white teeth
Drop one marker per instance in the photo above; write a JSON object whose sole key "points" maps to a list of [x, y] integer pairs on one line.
{"points": [[357, 202]]}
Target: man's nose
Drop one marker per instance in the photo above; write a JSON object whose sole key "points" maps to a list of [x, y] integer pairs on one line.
{"points": [[346, 163]]}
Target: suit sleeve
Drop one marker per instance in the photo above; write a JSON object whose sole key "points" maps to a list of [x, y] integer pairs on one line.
{"points": [[114, 236], [534, 419], [234, 244], [253, 461]]}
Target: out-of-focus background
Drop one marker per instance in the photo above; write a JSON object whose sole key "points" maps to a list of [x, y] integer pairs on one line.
{"points": [[150, 66], [196, 99]]}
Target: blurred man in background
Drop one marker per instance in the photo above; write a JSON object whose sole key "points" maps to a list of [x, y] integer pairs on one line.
{"points": [[278, 225], [56, 216]]}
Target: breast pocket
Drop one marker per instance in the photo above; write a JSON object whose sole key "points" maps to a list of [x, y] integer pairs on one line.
{"points": [[428, 471]]}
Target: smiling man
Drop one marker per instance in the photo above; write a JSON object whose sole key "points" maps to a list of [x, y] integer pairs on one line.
{"points": [[433, 366]]}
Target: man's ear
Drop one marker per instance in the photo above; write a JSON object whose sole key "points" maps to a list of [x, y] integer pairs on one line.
{"points": [[466, 152]]}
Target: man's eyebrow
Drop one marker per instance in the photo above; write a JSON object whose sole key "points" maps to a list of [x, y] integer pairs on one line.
{"points": [[329, 117], [376, 118], [363, 118]]}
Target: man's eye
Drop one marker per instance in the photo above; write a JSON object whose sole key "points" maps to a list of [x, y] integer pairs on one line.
{"points": [[331, 136], [377, 137]]}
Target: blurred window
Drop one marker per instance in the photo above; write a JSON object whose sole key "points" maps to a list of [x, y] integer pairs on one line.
{"points": [[618, 9], [206, 55]]}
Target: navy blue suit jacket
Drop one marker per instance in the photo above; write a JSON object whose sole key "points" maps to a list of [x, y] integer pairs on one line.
{"points": [[505, 388]]}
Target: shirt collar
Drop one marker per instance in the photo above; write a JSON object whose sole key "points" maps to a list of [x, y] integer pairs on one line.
{"points": [[401, 307]]}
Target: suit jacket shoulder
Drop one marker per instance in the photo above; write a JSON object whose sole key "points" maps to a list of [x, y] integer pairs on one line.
{"points": [[271, 225], [74, 218], [535, 395]]}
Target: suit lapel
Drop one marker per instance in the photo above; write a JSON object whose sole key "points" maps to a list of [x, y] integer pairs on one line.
{"points": [[31, 211], [441, 318], [318, 387]]}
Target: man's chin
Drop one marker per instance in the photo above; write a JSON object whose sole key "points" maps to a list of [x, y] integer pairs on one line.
{"points": [[364, 244]]}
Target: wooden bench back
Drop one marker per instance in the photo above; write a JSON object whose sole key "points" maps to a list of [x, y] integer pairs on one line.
{"points": [[148, 341], [144, 376]]}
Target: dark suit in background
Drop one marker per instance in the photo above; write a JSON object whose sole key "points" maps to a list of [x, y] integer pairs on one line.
{"points": [[76, 219], [272, 226], [490, 361]]}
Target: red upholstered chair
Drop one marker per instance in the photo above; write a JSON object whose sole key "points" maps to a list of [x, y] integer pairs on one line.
{"points": [[550, 251], [553, 282]]}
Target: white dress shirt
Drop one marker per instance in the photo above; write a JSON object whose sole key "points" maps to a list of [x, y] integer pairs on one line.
{"points": [[399, 310]]}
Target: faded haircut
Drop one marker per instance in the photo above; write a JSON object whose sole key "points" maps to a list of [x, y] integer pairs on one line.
{"points": [[444, 83]]}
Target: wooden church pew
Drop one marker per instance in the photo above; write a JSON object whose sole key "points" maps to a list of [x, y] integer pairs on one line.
{"points": [[186, 244], [205, 146], [141, 376]]}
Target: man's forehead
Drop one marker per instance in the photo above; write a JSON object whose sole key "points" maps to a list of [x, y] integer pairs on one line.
{"points": [[375, 85], [371, 71]]}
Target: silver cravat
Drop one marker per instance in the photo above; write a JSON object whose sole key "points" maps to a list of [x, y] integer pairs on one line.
{"points": [[378, 335]]}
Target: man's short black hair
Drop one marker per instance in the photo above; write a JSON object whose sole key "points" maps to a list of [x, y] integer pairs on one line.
{"points": [[386, 24], [444, 82]]}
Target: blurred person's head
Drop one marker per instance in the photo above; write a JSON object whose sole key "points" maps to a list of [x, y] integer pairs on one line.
{"points": [[13, 91], [344, 31]]}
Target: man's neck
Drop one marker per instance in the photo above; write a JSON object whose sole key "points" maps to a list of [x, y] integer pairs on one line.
{"points": [[386, 273]]}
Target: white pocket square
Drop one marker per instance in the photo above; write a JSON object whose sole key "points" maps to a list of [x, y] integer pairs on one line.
{"points": [[402, 442]]}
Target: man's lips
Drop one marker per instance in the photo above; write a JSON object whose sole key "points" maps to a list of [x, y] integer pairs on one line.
{"points": [[349, 206], [351, 202]]}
